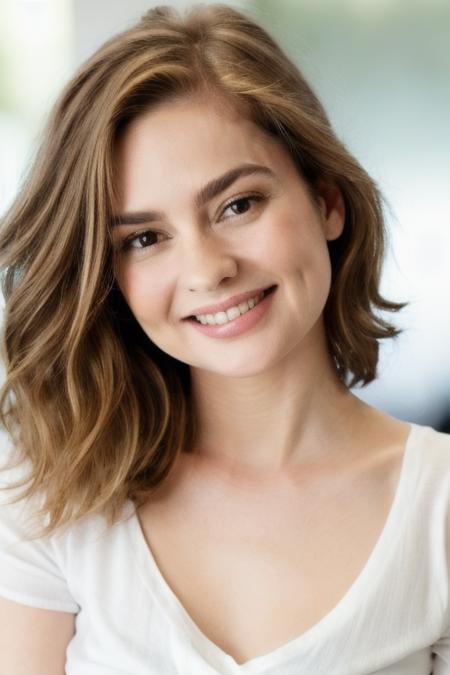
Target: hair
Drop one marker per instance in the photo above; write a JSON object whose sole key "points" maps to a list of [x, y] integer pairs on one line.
{"points": [[99, 412]]}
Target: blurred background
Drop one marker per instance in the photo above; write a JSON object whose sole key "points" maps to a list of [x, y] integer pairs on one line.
{"points": [[382, 69]]}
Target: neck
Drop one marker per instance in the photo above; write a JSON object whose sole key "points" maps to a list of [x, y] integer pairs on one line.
{"points": [[273, 421]]}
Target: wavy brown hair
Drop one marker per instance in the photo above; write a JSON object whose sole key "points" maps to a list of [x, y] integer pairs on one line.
{"points": [[100, 412]]}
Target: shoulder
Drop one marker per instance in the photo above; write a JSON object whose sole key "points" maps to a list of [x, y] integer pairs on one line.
{"points": [[30, 572], [428, 485], [44, 571], [21, 512], [431, 447], [16, 513], [427, 460]]}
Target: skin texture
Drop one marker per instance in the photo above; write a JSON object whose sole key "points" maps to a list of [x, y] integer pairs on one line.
{"points": [[33, 641], [271, 395], [291, 470]]}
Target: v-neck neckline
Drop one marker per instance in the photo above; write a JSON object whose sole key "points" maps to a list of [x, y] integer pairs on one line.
{"points": [[212, 653]]}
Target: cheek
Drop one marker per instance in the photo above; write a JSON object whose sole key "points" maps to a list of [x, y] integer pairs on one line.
{"points": [[144, 292], [301, 253], [277, 241], [294, 242]]}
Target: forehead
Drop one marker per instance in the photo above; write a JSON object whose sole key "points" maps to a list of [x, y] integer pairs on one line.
{"points": [[172, 125], [183, 143]]}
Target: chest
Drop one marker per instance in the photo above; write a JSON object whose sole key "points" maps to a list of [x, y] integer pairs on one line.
{"points": [[255, 569]]}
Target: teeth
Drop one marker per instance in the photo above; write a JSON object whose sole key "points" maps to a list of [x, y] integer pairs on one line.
{"points": [[231, 313]]}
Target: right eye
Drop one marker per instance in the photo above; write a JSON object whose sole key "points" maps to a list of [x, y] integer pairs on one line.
{"points": [[140, 240]]}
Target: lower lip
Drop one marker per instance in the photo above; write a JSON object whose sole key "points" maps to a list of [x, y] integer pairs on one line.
{"points": [[242, 324]]}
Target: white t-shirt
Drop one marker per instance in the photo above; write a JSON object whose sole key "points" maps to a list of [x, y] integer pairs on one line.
{"points": [[391, 621]]}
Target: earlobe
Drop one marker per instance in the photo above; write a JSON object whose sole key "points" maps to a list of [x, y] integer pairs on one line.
{"points": [[334, 225], [332, 208]]}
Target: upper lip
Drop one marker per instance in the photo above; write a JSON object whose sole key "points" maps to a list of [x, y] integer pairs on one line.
{"points": [[226, 304]]}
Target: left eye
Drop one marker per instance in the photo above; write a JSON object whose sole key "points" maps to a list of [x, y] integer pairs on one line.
{"points": [[242, 204]]}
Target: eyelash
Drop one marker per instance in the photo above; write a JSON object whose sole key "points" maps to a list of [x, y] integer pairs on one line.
{"points": [[126, 244]]}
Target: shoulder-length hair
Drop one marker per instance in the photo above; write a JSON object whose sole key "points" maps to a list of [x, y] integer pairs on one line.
{"points": [[99, 410]]}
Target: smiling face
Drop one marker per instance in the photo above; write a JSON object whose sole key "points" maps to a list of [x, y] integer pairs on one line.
{"points": [[179, 249]]}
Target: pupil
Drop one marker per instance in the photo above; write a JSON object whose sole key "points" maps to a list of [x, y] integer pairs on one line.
{"points": [[238, 204], [144, 238]]}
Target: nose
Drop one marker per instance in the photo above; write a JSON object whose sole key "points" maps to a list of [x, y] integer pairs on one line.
{"points": [[205, 263]]}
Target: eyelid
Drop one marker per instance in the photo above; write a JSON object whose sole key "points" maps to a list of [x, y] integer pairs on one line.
{"points": [[257, 197], [126, 243]]}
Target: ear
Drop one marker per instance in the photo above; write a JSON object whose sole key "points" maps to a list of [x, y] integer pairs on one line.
{"points": [[332, 208]]}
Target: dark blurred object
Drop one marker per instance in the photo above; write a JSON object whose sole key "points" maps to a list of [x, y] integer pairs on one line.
{"points": [[444, 424]]}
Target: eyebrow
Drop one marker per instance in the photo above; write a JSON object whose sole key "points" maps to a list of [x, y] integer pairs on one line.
{"points": [[204, 195]]}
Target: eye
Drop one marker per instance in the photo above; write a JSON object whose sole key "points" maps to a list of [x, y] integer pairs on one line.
{"points": [[242, 204], [148, 239], [140, 240]]}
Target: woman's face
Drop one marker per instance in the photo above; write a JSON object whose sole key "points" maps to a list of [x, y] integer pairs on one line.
{"points": [[200, 247]]}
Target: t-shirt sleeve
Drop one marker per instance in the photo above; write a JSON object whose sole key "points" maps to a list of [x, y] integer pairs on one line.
{"points": [[29, 569]]}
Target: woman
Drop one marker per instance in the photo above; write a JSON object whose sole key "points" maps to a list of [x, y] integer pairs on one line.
{"points": [[191, 280]]}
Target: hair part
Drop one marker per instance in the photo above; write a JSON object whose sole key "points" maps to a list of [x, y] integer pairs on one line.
{"points": [[98, 409]]}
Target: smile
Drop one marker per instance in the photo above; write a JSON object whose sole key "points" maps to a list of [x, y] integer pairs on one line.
{"points": [[232, 313], [236, 320]]}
